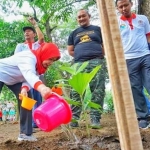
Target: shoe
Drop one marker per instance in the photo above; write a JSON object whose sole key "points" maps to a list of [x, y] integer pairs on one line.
{"points": [[24, 137], [95, 123], [74, 124], [143, 124]]}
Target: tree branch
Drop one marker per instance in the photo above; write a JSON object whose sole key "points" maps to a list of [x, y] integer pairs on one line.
{"points": [[34, 14]]}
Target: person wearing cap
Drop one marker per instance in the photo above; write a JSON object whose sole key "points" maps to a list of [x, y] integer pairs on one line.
{"points": [[23, 70], [30, 44], [30, 34]]}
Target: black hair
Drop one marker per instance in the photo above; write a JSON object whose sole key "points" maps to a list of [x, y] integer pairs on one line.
{"points": [[121, 0], [85, 11]]}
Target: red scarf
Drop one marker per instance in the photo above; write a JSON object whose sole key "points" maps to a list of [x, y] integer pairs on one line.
{"points": [[45, 52]]}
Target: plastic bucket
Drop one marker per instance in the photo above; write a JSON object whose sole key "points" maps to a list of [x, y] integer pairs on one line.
{"points": [[52, 113], [27, 102]]}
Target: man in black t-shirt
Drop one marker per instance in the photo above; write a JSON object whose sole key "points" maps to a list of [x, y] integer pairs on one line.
{"points": [[85, 44]]}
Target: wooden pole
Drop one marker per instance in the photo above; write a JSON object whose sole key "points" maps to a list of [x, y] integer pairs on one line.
{"points": [[126, 119]]}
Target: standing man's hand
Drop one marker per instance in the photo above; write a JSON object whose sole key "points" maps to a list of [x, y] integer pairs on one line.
{"points": [[70, 49], [37, 29], [32, 21]]}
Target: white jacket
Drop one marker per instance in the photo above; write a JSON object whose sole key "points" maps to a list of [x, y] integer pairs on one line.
{"points": [[20, 67]]}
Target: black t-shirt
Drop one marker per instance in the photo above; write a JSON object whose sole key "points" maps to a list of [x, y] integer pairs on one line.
{"points": [[87, 43]]}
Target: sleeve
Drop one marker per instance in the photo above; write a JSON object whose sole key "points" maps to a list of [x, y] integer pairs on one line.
{"points": [[27, 85], [147, 26], [18, 48], [70, 39]]}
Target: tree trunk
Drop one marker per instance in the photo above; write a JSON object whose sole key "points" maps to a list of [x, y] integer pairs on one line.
{"points": [[144, 8], [48, 30]]}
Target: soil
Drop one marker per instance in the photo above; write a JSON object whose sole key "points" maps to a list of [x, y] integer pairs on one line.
{"points": [[105, 138]]}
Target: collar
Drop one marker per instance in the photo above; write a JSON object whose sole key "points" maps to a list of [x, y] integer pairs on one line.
{"points": [[133, 16], [28, 42]]}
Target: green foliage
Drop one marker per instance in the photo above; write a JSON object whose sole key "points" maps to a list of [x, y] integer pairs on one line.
{"points": [[60, 35], [108, 102], [70, 101], [74, 70], [7, 95], [79, 81], [11, 34], [53, 74]]}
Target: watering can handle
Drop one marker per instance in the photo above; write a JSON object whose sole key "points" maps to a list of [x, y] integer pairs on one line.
{"points": [[20, 96]]}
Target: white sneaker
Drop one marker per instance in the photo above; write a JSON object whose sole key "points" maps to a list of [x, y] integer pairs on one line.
{"points": [[24, 137]]}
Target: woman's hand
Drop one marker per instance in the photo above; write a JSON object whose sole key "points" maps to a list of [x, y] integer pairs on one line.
{"points": [[24, 92], [44, 90]]}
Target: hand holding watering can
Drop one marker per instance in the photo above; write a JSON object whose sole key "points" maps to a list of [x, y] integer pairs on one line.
{"points": [[27, 102], [52, 113], [45, 91]]}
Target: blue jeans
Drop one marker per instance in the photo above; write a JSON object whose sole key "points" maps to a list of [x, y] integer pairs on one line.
{"points": [[36, 96]]}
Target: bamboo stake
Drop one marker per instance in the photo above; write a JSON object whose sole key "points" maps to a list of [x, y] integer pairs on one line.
{"points": [[127, 124]]}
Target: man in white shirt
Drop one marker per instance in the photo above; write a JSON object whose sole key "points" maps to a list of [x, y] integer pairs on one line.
{"points": [[135, 34]]}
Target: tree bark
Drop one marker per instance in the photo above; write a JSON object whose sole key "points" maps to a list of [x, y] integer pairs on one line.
{"points": [[144, 8]]}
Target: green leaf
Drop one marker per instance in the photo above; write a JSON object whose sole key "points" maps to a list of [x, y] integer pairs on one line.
{"points": [[87, 98], [82, 67], [72, 102], [94, 105], [68, 69], [80, 81]]}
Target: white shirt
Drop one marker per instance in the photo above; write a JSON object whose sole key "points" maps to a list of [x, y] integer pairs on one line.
{"points": [[134, 39], [24, 46]]}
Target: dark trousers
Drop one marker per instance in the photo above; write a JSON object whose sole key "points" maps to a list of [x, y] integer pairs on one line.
{"points": [[139, 74], [25, 115], [97, 87]]}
